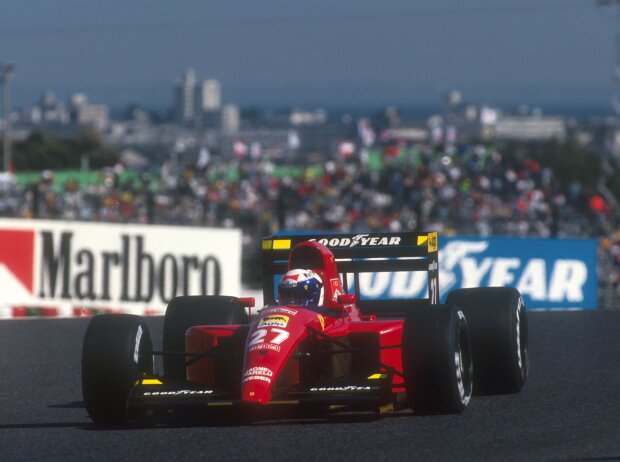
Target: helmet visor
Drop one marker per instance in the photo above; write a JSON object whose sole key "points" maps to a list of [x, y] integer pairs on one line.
{"points": [[299, 295]]}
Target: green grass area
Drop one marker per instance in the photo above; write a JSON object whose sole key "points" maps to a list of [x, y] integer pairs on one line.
{"points": [[376, 162]]}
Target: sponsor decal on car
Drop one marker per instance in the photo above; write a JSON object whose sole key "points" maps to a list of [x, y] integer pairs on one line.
{"points": [[258, 370], [433, 245], [265, 346], [258, 373], [178, 393], [257, 377], [336, 288], [280, 310], [345, 388], [274, 320], [361, 240]]}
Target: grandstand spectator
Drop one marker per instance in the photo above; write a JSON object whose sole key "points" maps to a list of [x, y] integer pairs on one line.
{"points": [[475, 190]]}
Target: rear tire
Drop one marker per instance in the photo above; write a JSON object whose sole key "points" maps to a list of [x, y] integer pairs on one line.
{"points": [[499, 334], [116, 352], [188, 311], [437, 360]]}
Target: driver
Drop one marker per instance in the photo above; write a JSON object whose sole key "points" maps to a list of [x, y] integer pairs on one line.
{"points": [[301, 287]]}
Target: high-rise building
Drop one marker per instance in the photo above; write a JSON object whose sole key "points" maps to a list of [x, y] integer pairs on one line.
{"points": [[185, 98], [208, 104], [230, 118], [210, 95], [95, 116]]}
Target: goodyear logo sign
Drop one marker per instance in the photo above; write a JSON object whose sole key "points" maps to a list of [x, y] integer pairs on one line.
{"points": [[550, 273]]}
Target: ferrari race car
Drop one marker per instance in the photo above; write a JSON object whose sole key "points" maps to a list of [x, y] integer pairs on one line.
{"points": [[345, 353]]}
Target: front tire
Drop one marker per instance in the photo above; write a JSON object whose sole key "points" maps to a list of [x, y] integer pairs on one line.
{"points": [[437, 360], [499, 334], [116, 352]]}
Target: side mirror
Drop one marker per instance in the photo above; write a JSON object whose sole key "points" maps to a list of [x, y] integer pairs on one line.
{"points": [[346, 299]]}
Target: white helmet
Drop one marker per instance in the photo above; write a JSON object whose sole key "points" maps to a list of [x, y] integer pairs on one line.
{"points": [[300, 287]]}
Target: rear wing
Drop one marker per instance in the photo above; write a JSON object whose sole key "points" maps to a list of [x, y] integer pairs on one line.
{"points": [[361, 253]]}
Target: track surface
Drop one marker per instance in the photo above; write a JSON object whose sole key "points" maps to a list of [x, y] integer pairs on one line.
{"points": [[568, 410]]}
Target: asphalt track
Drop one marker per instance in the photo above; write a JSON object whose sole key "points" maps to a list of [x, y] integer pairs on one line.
{"points": [[568, 410]]}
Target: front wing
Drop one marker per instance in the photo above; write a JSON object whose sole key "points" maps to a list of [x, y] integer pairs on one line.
{"points": [[153, 398]]}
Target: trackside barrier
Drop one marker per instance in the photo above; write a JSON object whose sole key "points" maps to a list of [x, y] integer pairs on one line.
{"points": [[23, 312], [66, 311], [66, 269], [549, 273]]}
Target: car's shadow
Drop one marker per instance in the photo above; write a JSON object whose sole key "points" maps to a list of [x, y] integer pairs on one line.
{"points": [[44, 425], [72, 405], [47, 425], [216, 420]]}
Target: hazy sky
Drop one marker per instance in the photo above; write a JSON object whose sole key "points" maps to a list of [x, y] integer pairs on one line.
{"points": [[313, 52]]}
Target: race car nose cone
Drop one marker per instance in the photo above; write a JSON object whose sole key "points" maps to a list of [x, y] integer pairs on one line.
{"points": [[256, 391]]}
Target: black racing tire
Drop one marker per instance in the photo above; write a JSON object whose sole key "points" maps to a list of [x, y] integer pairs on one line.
{"points": [[437, 360], [195, 310], [499, 334], [116, 352]]}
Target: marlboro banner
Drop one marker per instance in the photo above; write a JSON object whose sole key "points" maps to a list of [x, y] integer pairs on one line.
{"points": [[129, 268]]}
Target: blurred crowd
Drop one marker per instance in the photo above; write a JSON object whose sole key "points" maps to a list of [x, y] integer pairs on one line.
{"points": [[474, 190]]}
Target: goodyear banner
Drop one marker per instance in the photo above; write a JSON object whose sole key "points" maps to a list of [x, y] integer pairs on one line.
{"points": [[550, 273], [123, 267]]}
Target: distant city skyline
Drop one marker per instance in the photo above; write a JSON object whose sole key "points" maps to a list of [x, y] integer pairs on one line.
{"points": [[339, 98], [548, 53]]}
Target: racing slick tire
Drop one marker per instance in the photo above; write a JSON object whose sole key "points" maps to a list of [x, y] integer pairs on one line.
{"points": [[116, 352], [437, 360], [194, 310], [499, 335]]}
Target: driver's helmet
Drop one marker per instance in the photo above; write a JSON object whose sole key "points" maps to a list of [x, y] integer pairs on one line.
{"points": [[300, 287]]}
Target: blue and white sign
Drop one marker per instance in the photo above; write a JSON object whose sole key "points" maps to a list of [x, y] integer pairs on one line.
{"points": [[549, 273]]}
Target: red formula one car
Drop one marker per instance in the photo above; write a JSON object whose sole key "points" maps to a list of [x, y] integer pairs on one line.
{"points": [[339, 353]]}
